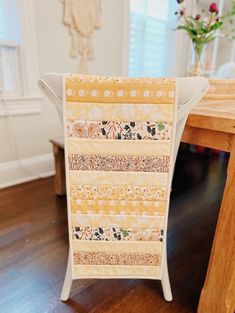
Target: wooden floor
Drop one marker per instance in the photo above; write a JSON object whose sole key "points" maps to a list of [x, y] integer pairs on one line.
{"points": [[34, 246]]}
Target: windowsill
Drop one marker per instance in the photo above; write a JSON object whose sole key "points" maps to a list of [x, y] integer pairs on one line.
{"points": [[20, 105]]}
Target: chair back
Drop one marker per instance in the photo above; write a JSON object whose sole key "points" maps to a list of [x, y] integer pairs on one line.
{"points": [[121, 140]]}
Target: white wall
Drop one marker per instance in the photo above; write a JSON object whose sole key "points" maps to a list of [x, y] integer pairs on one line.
{"points": [[54, 41], [27, 136]]}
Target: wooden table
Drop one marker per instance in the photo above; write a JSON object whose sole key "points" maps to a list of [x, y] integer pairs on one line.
{"points": [[58, 151], [211, 124]]}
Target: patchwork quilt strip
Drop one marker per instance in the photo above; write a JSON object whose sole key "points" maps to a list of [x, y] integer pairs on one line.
{"points": [[125, 193], [119, 163], [90, 111], [118, 136], [117, 207], [124, 221], [118, 178], [119, 130], [117, 233]]}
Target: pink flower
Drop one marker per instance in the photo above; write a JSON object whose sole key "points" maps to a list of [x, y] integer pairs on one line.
{"points": [[182, 12], [213, 8]]}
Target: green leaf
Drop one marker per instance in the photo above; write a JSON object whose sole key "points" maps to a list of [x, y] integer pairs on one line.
{"points": [[205, 30], [210, 38], [181, 27], [160, 126], [216, 26], [124, 231]]}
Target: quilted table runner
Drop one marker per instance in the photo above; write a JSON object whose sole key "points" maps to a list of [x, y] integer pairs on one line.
{"points": [[119, 147]]}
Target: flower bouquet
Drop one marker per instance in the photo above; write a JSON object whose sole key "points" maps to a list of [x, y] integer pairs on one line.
{"points": [[202, 29]]}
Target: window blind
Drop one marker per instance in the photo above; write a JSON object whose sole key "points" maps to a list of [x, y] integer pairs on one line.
{"points": [[149, 30], [9, 48], [9, 24]]}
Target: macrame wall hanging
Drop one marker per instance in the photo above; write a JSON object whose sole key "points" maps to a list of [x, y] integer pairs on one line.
{"points": [[82, 17]]}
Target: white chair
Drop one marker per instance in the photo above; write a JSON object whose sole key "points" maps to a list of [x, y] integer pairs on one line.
{"points": [[226, 71], [77, 94]]}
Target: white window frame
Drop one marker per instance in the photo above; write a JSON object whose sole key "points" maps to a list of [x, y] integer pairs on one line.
{"points": [[29, 101], [125, 38]]}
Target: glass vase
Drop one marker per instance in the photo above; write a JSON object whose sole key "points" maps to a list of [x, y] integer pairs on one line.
{"points": [[198, 59]]}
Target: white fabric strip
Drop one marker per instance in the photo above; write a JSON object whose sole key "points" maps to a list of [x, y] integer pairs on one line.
{"points": [[118, 271], [132, 221], [119, 147], [118, 178], [154, 247]]}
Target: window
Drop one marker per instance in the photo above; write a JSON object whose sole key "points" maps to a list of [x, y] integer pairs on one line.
{"points": [[9, 48], [150, 37], [18, 59]]}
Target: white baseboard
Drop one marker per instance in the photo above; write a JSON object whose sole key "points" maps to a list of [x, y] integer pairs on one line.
{"points": [[20, 171]]}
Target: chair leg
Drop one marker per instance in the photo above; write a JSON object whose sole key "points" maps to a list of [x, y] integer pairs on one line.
{"points": [[166, 287], [67, 281]]}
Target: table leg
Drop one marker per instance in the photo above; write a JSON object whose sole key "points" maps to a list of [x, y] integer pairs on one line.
{"points": [[60, 188], [218, 293]]}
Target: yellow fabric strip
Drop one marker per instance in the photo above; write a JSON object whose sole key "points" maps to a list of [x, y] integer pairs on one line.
{"points": [[117, 207], [124, 221], [119, 193], [120, 112], [118, 147], [120, 271], [118, 178], [84, 78], [154, 247], [123, 93]]}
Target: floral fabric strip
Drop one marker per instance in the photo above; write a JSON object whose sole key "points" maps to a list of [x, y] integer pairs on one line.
{"points": [[135, 193], [112, 258], [116, 233], [119, 130], [119, 163]]}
